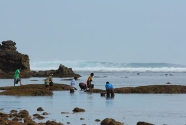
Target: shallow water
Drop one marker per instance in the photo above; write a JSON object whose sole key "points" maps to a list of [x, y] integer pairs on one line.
{"points": [[158, 109]]}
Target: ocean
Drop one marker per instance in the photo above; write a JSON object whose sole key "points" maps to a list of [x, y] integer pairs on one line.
{"points": [[158, 109]]}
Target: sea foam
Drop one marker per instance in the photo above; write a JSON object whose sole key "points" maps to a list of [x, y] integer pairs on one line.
{"points": [[108, 66]]}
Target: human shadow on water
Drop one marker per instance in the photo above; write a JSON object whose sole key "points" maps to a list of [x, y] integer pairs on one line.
{"points": [[109, 100], [109, 97]]}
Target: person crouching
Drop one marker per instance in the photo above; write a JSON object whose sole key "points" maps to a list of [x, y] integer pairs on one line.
{"points": [[109, 89], [83, 85]]}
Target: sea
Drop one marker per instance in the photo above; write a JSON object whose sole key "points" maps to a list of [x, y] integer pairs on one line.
{"points": [[158, 109]]}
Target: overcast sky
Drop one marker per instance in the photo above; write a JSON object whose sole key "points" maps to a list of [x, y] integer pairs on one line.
{"points": [[126, 31]]}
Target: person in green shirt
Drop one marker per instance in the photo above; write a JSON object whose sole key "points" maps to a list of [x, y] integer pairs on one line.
{"points": [[16, 76]]}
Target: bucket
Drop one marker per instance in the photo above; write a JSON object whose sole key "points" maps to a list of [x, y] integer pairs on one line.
{"points": [[102, 94], [72, 90]]}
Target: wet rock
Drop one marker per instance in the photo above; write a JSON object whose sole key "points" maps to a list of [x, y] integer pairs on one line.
{"points": [[13, 111], [27, 119], [64, 112], [36, 115], [34, 80], [32, 90], [53, 123], [144, 123], [23, 113], [45, 113], [40, 109], [40, 117], [78, 110], [2, 113], [97, 120], [110, 121], [15, 119], [168, 83], [82, 119], [68, 122], [146, 89], [67, 116]]}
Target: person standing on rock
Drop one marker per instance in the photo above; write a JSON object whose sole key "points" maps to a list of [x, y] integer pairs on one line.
{"points": [[50, 79], [48, 82], [16, 76], [89, 80]]}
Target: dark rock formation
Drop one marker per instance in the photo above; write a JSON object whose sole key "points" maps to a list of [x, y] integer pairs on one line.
{"points": [[62, 71], [144, 123], [11, 59], [153, 89], [110, 121], [78, 110], [33, 90], [40, 109]]}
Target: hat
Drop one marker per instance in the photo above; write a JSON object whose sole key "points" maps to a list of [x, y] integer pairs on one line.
{"points": [[107, 82]]}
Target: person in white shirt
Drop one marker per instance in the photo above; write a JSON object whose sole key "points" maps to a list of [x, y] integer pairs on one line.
{"points": [[72, 83]]}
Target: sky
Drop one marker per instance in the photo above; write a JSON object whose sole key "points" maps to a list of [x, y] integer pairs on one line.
{"points": [[125, 31]]}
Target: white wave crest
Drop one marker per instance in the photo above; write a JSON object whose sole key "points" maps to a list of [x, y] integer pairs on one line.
{"points": [[108, 67]]}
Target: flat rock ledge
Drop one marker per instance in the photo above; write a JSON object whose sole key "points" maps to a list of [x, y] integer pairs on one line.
{"points": [[152, 89], [33, 90], [39, 89]]}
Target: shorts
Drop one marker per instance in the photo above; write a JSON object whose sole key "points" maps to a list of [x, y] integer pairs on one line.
{"points": [[110, 92], [47, 84], [16, 80]]}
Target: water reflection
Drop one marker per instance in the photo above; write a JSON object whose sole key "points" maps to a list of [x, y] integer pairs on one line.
{"points": [[109, 100]]}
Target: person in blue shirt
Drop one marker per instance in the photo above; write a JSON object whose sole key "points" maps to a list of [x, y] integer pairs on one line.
{"points": [[109, 89]]}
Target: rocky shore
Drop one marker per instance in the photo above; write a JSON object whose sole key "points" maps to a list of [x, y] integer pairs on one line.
{"points": [[22, 117]]}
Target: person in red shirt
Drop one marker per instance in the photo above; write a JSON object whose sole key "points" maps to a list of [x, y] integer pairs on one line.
{"points": [[83, 85]]}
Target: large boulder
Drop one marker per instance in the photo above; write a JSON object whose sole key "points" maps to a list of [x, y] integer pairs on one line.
{"points": [[62, 71], [110, 121], [11, 59]]}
